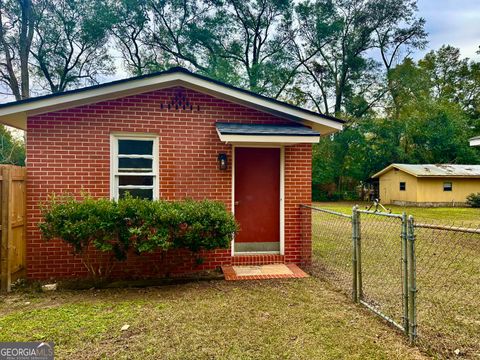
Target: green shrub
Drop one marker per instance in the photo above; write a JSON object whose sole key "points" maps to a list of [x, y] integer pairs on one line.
{"points": [[137, 225], [474, 200]]}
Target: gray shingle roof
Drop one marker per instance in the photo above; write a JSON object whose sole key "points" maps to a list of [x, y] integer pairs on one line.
{"points": [[265, 129]]}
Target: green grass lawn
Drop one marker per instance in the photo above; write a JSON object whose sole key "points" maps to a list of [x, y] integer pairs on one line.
{"points": [[278, 319], [447, 215], [448, 270]]}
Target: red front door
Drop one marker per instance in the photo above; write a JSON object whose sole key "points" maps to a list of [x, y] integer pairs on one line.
{"points": [[257, 199]]}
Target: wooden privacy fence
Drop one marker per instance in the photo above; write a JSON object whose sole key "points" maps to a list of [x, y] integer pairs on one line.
{"points": [[12, 224]]}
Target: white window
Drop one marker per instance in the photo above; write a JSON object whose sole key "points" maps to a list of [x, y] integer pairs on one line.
{"points": [[447, 186], [134, 166]]}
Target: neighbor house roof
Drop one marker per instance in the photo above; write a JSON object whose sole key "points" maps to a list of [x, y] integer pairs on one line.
{"points": [[475, 141], [16, 113], [434, 170], [268, 133]]}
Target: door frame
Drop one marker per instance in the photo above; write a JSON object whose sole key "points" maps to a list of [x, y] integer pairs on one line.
{"points": [[282, 196]]}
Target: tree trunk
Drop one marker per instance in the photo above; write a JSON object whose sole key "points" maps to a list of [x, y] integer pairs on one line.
{"points": [[391, 90], [12, 77], [338, 103], [26, 35]]}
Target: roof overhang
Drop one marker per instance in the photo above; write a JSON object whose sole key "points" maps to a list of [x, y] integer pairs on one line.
{"points": [[405, 169], [448, 176], [238, 133], [390, 167], [475, 141], [16, 113], [265, 139]]}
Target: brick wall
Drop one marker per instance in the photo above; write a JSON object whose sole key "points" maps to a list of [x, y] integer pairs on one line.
{"points": [[69, 151]]}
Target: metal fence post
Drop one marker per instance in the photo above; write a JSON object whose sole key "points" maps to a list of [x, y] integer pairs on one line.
{"points": [[354, 254], [412, 279], [359, 257], [405, 271]]}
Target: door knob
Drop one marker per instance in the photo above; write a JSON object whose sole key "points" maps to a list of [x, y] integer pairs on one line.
{"points": [[236, 203]]}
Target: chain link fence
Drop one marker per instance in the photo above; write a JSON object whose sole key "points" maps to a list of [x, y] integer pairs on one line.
{"points": [[331, 246], [409, 271], [448, 282]]}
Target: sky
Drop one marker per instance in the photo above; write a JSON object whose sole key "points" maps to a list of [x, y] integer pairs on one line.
{"points": [[454, 22]]}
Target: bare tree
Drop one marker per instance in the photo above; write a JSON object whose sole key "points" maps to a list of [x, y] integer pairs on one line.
{"points": [[17, 21], [342, 34], [243, 43], [69, 45], [130, 32]]}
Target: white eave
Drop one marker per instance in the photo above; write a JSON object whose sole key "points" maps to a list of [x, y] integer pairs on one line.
{"points": [[268, 139], [15, 114], [475, 141]]}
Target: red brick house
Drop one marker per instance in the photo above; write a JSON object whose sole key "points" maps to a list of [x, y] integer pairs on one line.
{"points": [[172, 135]]}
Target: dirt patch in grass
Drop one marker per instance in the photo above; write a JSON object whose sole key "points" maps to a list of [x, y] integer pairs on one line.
{"points": [[296, 319]]}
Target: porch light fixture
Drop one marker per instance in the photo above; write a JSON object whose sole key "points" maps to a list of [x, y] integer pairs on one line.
{"points": [[222, 161]]}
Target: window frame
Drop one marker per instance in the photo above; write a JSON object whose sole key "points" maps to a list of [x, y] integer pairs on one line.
{"points": [[451, 186], [114, 156], [404, 186]]}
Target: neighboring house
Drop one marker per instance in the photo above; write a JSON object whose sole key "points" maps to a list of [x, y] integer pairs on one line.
{"points": [[172, 135], [428, 185], [475, 141]]}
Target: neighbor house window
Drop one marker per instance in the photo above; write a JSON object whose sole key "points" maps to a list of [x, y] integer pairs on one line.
{"points": [[447, 186], [134, 166], [403, 186]]}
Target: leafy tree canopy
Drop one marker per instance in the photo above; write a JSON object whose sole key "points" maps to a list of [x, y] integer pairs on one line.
{"points": [[349, 58], [12, 150]]}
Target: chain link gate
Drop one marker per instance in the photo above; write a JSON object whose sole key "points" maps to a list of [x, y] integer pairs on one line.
{"points": [[384, 266], [379, 258], [377, 264]]}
